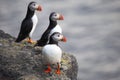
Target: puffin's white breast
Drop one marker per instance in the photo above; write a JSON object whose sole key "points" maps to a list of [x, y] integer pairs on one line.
{"points": [[56, 29], [35, 21], [52, 53]]}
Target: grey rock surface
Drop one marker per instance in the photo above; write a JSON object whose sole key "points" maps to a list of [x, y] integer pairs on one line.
{"points": [[22, 61]]}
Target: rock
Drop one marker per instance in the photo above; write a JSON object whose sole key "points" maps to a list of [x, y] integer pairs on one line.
{"points": [[22, 61], [28, 77]]}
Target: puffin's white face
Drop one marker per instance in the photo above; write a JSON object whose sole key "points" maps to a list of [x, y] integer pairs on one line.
{"points": [[56, 16], [34, 6], [59, 37]]}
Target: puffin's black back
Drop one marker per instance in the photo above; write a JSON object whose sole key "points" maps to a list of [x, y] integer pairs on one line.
{"points": [[45, 37], [26, 25]]}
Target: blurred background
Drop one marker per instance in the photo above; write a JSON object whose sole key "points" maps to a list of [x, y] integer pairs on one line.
{"points": [[92, 28]]}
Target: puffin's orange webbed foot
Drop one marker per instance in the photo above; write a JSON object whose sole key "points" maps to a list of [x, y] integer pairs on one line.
{"points": [[48, 70], [58, 72], [58, 69], [30, 41]]}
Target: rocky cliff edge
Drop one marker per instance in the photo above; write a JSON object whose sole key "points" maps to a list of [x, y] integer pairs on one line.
{"points": [[22, 61]]}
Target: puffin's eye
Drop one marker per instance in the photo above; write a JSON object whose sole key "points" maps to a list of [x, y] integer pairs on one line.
{"points": [[58, 35], [33, 4], [55, 15]]}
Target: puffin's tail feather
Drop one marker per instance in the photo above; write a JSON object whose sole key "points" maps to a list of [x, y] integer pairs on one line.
{"points": [[20, 38]]}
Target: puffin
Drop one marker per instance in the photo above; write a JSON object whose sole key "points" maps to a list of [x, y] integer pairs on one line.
{"points": [[52, 53], [29, 23], [53, 27]]}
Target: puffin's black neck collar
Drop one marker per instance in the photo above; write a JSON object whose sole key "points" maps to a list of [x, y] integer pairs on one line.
{"points": [[53, 42], [52, 24], [30, 13]]}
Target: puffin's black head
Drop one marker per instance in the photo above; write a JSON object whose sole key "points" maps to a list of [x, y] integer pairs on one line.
{"points": [[56, 36], [34, 6], [56, 16]]}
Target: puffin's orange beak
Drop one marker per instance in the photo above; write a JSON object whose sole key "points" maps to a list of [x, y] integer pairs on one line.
{"points": [[39, 8], [61, 17], [64, 39]]}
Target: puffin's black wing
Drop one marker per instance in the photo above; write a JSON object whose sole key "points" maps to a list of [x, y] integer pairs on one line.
{"points": [[44, 39], [26, 28]]}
